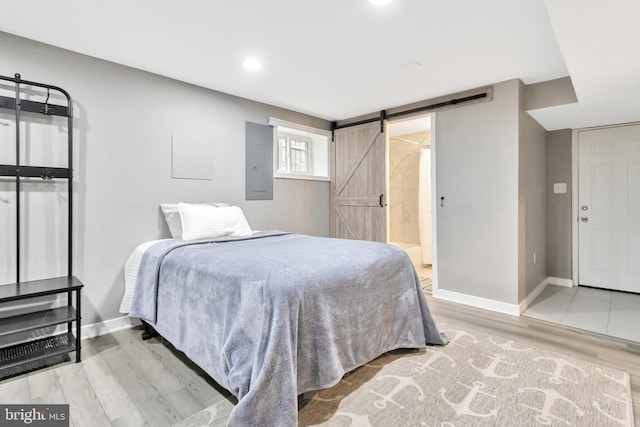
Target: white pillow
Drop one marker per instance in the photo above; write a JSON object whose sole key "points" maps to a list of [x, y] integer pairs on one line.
{"points": [[172, 217], [202, 221]]}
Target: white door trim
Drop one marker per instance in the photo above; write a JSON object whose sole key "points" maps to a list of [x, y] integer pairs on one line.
{"points": [[574, 206], [434, 210], [434, 219]]}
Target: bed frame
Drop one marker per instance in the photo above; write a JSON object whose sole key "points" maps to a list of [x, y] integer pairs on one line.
{"points": [[148, 332]]}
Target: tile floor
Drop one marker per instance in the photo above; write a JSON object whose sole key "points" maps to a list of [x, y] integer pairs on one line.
{"points": [[612, 313]]}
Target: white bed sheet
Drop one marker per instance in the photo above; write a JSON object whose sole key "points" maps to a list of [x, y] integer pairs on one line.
{"points": [[131, 273]]}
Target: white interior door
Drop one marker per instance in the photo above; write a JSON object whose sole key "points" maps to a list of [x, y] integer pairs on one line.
{"points": [[609, 208], [359, 182]]}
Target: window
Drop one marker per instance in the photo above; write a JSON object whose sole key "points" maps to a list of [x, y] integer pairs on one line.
{"points": [[300, 152], [293, 153]]}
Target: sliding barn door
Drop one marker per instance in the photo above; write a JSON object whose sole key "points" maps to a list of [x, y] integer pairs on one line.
{"points": [[358, 185]]}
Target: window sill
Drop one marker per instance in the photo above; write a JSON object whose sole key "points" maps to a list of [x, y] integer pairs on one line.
{"points": [[303, 177]]}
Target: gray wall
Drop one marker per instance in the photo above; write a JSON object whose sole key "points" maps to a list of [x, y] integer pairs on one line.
{"points": [[124, 120], [549, 94], [491, 166], [559, 205], [477, 173], [532, 216]]}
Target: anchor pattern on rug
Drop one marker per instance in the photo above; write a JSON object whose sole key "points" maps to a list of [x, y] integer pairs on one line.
{"points": [[556, 376], [551, 396], [431, 357], [481, 380], [459, 335], [490, 371], [402, 383], [508, 345], [442, 424], [356, 419], [464, 406], [628, 412], [622, 380]]}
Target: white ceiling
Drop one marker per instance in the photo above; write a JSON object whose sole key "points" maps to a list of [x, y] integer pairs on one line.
{"points": [[408, 126], [599, 44], [338, 59]]}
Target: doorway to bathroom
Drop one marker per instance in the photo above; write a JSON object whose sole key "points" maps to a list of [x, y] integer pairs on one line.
{"points": [[409, 186]]}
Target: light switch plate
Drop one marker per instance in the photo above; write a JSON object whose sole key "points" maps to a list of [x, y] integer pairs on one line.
{"points": [[560, 188]]}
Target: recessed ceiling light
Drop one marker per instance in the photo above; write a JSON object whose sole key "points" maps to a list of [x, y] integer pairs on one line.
{"points": [[252, 64], [380, 2]]}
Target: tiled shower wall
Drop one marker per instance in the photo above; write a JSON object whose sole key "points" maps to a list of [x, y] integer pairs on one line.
{"points": [[403, 186]]}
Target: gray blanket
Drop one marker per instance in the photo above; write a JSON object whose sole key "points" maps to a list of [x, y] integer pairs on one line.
{"points": [[275, 315]]}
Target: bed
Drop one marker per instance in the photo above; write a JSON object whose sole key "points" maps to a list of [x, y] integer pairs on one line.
{"points": [[271, 315]]}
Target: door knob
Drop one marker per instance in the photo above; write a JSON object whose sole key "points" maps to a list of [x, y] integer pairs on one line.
{"points": [[584, 219], [584, 207]]}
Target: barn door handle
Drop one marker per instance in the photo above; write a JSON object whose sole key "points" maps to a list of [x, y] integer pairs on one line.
{"points": [[382, 200]]}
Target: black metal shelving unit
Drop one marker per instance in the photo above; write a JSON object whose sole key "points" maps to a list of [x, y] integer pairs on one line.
{"points": [[49, 348]]}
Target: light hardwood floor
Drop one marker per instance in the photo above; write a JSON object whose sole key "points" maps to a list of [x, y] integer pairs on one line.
{"points": [[123, 381]]}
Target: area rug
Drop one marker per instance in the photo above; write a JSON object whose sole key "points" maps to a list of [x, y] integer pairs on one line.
{"points": [[476, 380], [425, 284]]}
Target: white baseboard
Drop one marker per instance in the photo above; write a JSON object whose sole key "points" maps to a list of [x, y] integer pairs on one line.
{"points": [[526, 302], [487, 304], [557, 281], [107, 327], [560, 282]]}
